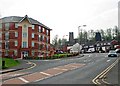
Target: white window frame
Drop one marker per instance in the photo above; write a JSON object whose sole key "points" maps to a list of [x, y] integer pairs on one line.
{"points": [[47, 47], [33, 53], [39, 37], [47, 40], [40, 29], [7, 25], [33, 35], [16, 25], [47, 32], [43, 29], [16, 43], [15, 52], [7, 35], [6, 52], [33, 44], [33, 27], [16, 34], [24, 35], [43, 37], [24, 44]]}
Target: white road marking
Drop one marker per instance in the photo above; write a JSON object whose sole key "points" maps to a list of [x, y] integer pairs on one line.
{"points": [[24, 80], [45, 73], [89, 55], [105, 56], [108, 60]]}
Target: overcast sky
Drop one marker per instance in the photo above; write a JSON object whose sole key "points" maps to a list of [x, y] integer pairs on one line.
{"points": [[64, 16]]}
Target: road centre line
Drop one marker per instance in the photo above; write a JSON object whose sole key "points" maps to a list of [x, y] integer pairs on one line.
{"points": [[24, 80], [45, 73]]}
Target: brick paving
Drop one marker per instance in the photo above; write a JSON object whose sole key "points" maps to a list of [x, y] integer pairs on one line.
{"points": [[44, 74]]}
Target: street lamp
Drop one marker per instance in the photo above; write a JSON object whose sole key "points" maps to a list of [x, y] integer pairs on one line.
{"points": [[80, 30], [80, 36]]}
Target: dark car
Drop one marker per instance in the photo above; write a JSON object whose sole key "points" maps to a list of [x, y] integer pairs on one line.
{"points": [[112, 53]]}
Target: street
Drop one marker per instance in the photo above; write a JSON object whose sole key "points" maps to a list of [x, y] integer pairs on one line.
{"points": [[73, 70]]}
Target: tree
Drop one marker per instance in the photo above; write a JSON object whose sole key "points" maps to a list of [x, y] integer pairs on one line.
{"points": [[109, 34], [64, 41], [55, 42], [102, 34], [59, 43]]}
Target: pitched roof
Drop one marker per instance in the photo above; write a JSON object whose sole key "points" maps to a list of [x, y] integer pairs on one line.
{"points": [[18, 19]]}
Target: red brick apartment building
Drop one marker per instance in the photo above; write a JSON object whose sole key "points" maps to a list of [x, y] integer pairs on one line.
{"points": [[23, 36]]}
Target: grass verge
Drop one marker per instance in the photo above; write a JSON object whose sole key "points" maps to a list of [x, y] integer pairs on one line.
{"points": [[9, 62]]}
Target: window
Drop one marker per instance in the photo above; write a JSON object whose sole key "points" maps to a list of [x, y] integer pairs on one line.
{"points": [[47, 47], [0, 53], [24, 45], [33, 53], [41, 46], [40, 29], [42, 38], [47, 32], [33, 26], [43, 29], [16, 34], [39, 37], [33, 44], [24, 34], [32, 35], [0, 44], [0, 26], [6, 35], [16, 43], [47, 40], [7, 45], [7, 26], [15, 52], [0, 35], [16, 25], [6, 53], [47, 54]]}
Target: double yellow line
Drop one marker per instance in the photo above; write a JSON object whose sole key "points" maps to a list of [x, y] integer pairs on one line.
{"points": [[103, 74]]}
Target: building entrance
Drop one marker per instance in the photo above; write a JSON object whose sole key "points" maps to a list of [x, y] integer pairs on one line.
{"points": [[24, 54]]}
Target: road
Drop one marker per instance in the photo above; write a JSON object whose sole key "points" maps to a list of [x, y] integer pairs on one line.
{"points": [[74, 70]]}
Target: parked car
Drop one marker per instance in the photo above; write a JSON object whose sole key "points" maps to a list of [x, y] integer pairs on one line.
{"points": [[112, 53], [90, 50], [118, 52]]}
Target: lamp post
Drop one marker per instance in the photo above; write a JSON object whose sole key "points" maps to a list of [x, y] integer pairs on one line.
{"points": [[80, 35]]}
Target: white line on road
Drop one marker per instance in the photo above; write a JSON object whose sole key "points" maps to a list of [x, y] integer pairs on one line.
{"points": [[89, 55], [108, 60], [45, 73], [24, 80]]}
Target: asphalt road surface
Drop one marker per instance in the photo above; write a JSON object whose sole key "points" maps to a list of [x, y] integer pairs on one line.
{"points": [[74, 70]]}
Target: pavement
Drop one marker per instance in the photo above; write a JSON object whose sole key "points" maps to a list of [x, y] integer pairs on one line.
{"points": [[23, 65]]}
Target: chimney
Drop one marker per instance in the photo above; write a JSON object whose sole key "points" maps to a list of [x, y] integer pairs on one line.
{"points": [[71, 37]]}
